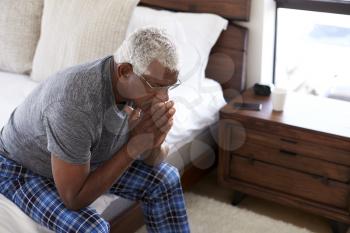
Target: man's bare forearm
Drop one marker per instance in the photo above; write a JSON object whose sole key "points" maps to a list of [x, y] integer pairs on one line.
{"points": [[100, 180]]}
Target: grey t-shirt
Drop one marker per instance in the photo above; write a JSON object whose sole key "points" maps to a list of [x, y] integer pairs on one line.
{"points": [[73, 115]]}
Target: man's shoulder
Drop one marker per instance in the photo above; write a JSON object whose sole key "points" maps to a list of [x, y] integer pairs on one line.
{"points": [[82, 70], [81, 87], [78, 82]]}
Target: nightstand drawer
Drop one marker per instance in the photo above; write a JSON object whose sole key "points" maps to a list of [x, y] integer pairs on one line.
{"points": [[291, 159], [315, 150], [294, 133], [289, 181], [298, 157]]}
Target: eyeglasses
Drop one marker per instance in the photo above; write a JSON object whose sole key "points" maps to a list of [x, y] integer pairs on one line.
{"points": [[153, 87]]}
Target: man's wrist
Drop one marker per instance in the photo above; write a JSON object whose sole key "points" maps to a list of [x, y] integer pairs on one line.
{"points": [[156, 150], [132, 150], [156, 156]]}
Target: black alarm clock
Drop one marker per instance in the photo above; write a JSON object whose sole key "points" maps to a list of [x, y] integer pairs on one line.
{"points": [[262, 89]]}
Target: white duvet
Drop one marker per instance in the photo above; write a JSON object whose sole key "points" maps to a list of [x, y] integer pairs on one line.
{"points": [[196, 110]]}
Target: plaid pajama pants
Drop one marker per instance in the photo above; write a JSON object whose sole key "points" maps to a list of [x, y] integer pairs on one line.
{"points": [[158, 188]]}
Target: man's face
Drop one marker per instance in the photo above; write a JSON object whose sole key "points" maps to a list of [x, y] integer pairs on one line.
{"points": [[151, 87]]}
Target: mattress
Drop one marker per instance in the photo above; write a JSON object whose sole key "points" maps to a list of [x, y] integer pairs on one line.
{"points": [[194, 122]]}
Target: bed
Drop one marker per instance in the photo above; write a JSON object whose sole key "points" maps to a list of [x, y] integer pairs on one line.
{"points": [[193, 150], [226, 65]]}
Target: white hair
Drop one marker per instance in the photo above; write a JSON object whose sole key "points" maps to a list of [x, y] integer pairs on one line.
{"points": [[145, 45]]}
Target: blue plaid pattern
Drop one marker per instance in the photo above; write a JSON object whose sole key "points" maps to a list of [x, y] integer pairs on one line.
{"points": [[38, 198], [158, 188]]}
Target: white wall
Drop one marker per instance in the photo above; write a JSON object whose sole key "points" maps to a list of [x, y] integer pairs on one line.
{"points": [[261, 41]]}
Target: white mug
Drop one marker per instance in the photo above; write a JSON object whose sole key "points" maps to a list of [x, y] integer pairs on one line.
{"points": [[278, 96]]}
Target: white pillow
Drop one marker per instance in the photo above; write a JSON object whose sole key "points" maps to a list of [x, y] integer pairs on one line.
{"points": [[194, 35], [195, 110], [197, 100], [78, 31], [14, 88], [19, 33]]}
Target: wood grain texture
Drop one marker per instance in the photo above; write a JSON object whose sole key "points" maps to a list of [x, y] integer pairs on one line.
{"points": [[289, 181], [227, 61], [300, 147], [289, 157], [299, 162], [230, 9], [129, 221], [288, 200]]}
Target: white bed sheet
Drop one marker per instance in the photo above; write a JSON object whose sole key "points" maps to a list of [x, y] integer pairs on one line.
{"points": [[195, 112]]}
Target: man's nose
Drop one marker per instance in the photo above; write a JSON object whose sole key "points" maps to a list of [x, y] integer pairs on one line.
{"points": [[162, 95]]}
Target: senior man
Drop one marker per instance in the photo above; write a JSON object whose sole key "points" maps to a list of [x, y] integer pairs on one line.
{"points": [[95, 128]]}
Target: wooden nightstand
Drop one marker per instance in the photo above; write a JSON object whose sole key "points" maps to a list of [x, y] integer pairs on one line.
{"points": [[299, 157]]}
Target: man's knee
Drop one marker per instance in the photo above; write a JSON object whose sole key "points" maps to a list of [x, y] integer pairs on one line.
{"points": [[169, 176], [102, 226], [93, 224]]}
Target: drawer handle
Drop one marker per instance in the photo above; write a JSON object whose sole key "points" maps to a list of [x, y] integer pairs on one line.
{"points": [[324, 180], [287, 152], [288, 140], [251, 159]]}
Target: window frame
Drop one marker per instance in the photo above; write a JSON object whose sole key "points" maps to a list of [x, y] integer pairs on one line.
{"points": [[328, 6]]}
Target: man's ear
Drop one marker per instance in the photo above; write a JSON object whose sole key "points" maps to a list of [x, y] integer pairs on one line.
{"points": [[124, 69]]}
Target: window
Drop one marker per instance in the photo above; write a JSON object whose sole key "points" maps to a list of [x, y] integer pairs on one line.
{"points": [[312, 52]]}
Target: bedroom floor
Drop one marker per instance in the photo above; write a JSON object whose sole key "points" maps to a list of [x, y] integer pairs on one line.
{"points": [[208, 187]]}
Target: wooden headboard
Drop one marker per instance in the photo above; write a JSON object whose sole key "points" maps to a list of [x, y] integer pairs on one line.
{"points": [[227, 61]]}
